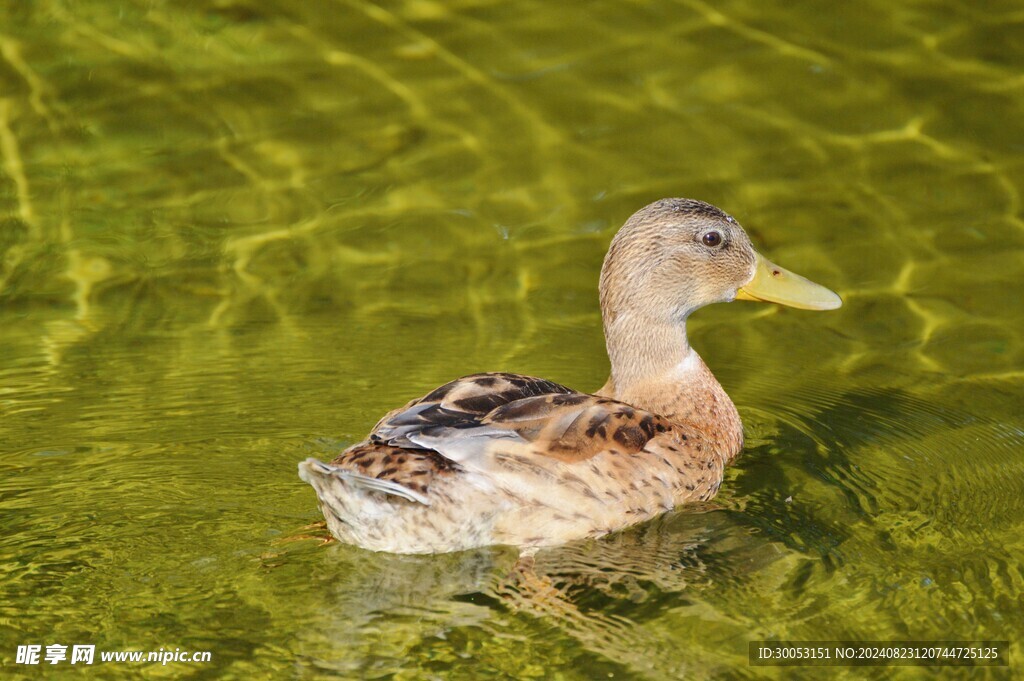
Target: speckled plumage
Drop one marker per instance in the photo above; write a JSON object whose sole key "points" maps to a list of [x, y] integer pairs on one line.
{"points": [[501, 458]]}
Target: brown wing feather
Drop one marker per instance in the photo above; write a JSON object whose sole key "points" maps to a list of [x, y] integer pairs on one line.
{"points": [[460, 403], [569, 428], [556, 422], [388, 454], [423, 441]]}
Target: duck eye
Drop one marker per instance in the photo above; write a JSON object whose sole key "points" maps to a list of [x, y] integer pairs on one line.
{"points": [[712, 239]]}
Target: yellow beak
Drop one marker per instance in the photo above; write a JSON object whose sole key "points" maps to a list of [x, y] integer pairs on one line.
{"points": [[774, 284]]}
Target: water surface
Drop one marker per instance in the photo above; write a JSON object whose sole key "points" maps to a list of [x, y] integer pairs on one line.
{"points": [[234, 233]]}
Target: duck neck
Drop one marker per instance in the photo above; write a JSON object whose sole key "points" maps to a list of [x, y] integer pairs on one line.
{"points": [[654, 368], [645, 350]]}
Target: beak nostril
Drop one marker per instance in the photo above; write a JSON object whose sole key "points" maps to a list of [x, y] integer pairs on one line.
{"points": [[776, 273]]}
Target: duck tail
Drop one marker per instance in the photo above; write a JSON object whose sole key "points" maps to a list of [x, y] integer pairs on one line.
{"points": [[316, 473]]}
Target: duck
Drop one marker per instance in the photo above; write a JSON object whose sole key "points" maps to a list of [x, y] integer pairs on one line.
{"points": [[506, 459]]}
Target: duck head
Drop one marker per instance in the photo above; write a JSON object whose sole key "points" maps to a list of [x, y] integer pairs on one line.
{"points": [[669, 259], [677, 255]]}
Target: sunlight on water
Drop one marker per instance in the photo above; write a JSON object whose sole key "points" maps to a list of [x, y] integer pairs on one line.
{"points": [[233, 234]]}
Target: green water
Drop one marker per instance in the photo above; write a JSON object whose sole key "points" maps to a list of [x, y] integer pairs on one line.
{"points": [[234, 233]]}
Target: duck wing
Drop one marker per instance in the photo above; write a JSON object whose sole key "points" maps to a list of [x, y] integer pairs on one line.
{"points": [[392, 460], [470, 418]]}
